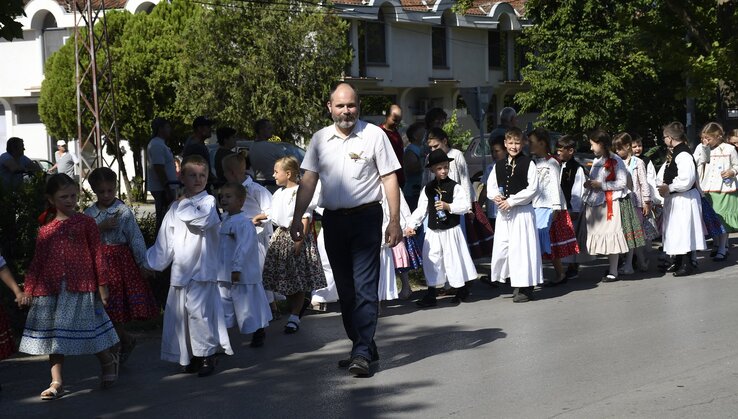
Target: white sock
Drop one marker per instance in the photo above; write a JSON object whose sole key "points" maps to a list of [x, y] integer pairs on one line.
{"points": [[294, 318], [723, 246]]}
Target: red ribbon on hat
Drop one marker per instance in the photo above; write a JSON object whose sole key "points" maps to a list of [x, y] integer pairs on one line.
{"points": [[610, 165]]}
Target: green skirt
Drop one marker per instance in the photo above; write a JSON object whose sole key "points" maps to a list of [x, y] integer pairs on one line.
{"points": [[726, 206], [632, 227]]}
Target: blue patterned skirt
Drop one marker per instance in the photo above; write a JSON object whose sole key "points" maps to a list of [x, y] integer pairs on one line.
{"points": [[70, 323], [713, 226], [414, 257]]}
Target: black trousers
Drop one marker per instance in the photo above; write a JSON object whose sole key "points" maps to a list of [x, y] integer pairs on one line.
{"points": [[352, 242]]}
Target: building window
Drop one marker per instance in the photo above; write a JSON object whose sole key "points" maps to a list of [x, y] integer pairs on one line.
{"points": [[439, 46], [27, 114], [372, 41], [494, 49]]}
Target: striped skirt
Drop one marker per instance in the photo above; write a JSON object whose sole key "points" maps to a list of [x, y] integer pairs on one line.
{"points": [[70, 323]]}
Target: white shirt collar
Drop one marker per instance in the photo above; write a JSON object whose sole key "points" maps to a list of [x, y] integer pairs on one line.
{"points": [[357, 131]]}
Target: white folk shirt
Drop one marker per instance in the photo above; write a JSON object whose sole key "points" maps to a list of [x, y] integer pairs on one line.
{"points": [[619, 186], [460, 206], [350, 169], [188, 239], [238, 250], [283, 206], [458, 171], [258, 199], [711, 162], [524, 197], [577, 190], [549, 194]]}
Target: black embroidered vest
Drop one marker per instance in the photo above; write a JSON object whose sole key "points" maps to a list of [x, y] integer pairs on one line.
{"points": [[671, 171], [512, 178], [568, 175], [445, 189]]}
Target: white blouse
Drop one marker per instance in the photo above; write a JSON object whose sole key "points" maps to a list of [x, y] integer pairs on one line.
{"points": [[238, 250], [549, 194], [711, 162], [619, 186], [283, 206]]}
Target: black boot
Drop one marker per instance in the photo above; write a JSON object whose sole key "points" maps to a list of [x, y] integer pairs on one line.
{"points": [[685, 266], [461, 294], [429, 299], [257, 339], [208, 366]]}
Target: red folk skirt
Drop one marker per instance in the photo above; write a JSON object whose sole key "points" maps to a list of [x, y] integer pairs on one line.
{"points": [[130, 295], [563, 238]]}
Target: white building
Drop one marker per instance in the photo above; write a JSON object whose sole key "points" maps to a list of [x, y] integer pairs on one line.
{"points": [[420, 53], [46, 26]]}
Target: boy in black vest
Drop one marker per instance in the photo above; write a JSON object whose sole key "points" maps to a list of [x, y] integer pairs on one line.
{"points": [[516, 253], [445, 253], [573, 176]]}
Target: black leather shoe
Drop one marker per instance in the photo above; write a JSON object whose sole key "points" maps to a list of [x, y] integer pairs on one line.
{"points": [[208, 366], [194, 365], [427, 301], [257, 339], [359, 366], [685, 270]]}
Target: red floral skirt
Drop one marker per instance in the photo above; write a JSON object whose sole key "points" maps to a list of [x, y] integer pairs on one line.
{"points": [[130, 295], [7, 345], [563, 238]]}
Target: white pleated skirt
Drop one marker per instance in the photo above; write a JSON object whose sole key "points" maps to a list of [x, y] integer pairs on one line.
{"points": [[446, 258], [516, 253], [683, 230], [329, 294], [245, 306], [387, 279], [194, 324]]}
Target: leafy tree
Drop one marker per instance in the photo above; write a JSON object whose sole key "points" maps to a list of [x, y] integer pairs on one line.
{"points": [[9, 11], [583, 63], [247, 61]]}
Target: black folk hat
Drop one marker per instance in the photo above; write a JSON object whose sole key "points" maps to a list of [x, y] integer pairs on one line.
{"points": [[437, 156]]}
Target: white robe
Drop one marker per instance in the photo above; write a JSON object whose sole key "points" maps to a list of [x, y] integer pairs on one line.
{"points": [[194, 323], [244, 302], [329, 294], [445, 253], [683, 230], [516, 253]]}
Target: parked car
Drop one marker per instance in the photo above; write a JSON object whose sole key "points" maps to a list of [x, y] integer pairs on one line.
{"points": [[241, 145], [479, 152], [44, 164]]}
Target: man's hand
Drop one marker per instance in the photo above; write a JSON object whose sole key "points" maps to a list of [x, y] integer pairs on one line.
{"points": [[393, 234], [296, 230]]}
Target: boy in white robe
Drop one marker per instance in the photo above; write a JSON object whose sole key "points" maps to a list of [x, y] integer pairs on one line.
{"points": [[516, 253], [445, 253], [194, 328], [239, 273]]}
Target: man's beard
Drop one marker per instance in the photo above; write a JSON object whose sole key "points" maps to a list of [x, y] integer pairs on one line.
{"points": [[344, 121]]}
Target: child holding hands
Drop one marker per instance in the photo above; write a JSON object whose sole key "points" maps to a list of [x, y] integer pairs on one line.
{"points": [[68, 294]]}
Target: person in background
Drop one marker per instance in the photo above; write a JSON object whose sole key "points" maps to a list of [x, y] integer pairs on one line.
{"points": [[161, 172], [14, 163], [263, 154], [413, 164], [65, 160], [226, 142], [390, 126]]}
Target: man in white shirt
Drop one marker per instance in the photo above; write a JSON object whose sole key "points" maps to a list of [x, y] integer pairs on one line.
{"points": [[352, 158], [161, 174]]}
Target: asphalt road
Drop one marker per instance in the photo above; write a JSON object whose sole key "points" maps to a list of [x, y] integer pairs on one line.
{"points": [[646, 347]]}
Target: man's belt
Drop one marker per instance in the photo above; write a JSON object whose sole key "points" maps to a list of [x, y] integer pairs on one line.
{"points": [[354, 210]]}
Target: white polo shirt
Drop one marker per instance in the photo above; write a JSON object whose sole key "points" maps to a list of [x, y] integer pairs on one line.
{"points": [[350, 169]]}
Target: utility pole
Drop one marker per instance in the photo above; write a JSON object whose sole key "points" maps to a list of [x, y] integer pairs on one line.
{"points": [[97, 127]]}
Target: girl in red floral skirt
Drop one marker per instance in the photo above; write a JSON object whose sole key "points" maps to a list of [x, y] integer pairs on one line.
{"points": [[123, 252]]}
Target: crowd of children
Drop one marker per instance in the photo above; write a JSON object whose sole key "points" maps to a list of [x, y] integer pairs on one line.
{"points": [[90, 273]]}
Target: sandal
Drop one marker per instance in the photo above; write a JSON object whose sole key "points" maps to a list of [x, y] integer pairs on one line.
{"points": [[52, 393], [108, 380], [291, 327]]}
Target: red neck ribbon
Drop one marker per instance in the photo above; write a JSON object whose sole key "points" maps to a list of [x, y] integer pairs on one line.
{"points": [[610, 166]]}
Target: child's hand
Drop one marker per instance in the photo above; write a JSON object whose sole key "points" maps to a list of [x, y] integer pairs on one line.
{"points": [[109, 224], [504, 205], [663, 189], [409, 232], [727, 174], [440, 205], [235, 277], [23, 299], [593, 184], [646, 209], [258, 219], [498, 200], [104, 294]]}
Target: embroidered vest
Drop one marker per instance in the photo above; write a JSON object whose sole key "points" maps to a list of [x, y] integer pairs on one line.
{"points": [[445, 189], [513, 177]]}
